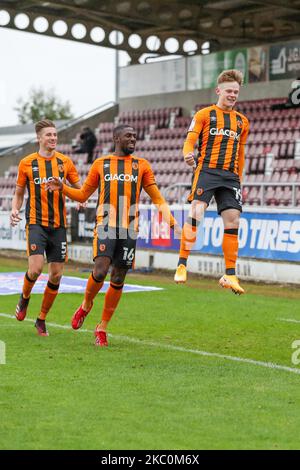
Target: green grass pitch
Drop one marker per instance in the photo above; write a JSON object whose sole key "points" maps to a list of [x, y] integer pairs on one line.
{"points": [[151, 389]]}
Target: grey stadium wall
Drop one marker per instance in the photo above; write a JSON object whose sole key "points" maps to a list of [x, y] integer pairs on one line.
{"points": [[188, 99]]}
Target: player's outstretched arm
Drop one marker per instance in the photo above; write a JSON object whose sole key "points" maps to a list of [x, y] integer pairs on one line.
{"points": [[54, 185], [80, 205], [80, 195], [163, 207]]}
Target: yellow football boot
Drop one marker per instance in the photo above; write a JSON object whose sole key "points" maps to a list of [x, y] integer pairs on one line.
{"points": [[181, 274], [231, 282]]}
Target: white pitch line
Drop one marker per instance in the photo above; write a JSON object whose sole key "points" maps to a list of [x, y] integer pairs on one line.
{"points": [[289, 320], [170, 347]]}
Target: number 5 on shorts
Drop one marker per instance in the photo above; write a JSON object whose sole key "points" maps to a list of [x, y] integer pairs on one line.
{"points": [[63, 249]]}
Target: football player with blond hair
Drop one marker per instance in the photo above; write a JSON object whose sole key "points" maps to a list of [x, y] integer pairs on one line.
{"points": [[221, 134]]}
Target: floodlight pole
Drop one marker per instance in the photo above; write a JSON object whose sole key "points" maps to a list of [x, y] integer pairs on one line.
{"points": [[117, 72]]}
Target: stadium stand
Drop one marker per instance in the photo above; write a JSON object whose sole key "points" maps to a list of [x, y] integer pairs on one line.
{"points": [[272, 166]]}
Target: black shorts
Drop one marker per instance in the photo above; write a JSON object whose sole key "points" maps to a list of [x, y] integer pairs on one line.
{"points": [[222, 184], [116, 243], [52, 241]]}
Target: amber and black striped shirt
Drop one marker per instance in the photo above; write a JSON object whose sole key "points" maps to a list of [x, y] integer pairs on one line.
{"points": [[44, 207], [119, 181], [220, 134]]}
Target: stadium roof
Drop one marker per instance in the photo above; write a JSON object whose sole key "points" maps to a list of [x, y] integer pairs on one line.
{"points": [[146, 26]]}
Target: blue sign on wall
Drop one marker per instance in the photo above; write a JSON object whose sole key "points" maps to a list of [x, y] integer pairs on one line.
{"points": [[271, 236]]}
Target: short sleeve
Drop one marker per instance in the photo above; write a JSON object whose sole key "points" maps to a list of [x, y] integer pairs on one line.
{"points": [[148, 175], [245, 131], [197, 122], [72, 174], [22, 177]]}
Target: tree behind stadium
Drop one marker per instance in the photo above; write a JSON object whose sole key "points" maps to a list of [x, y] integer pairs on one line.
{"points": [[40, 104]]}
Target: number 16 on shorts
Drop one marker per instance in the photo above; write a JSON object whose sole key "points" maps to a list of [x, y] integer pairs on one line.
{"points": [[128, 255]]}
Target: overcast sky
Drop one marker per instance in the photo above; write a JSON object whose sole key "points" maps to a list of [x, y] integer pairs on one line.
{"points": [[83, 74]]}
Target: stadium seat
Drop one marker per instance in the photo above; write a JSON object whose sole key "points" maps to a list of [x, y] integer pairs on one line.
{"points": [[270, 196], [286, 197], [254, 195], [275, 176]]}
